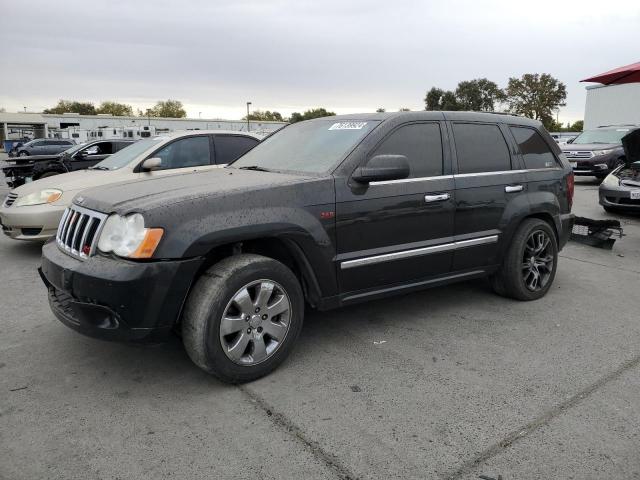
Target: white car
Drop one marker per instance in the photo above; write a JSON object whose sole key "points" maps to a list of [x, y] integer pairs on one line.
{"points": [[33, 211]]}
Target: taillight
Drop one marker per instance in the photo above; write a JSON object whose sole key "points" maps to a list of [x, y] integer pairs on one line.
{"points": [[570, 189]]}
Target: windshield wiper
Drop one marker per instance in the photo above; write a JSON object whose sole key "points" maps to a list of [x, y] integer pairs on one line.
{"points": [[256, 168], [98, 167]]}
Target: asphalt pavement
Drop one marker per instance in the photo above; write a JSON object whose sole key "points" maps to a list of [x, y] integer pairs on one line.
{"points": [[453, 382]]}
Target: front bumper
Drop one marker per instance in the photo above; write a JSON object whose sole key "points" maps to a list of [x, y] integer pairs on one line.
{"points": [[592, 168], [115, 299], [618, 198], [32, 222]]}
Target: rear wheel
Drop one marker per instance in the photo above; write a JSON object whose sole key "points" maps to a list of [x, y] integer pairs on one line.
{"points": [[243, 318], [530, 264]]}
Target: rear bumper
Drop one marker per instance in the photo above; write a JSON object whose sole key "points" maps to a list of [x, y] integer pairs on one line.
{"points": [[114, 299], [34, 222], [566, 225]]}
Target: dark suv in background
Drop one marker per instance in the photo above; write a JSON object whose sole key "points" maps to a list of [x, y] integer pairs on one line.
{"points": [[597, 152], [42, 146], [327, 212]]}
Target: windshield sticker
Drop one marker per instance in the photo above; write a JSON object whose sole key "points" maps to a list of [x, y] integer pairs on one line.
{"points": [[348, 126]]}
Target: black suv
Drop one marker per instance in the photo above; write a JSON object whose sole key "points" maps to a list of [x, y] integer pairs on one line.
{"points": [[326, 212], [597, 152]]}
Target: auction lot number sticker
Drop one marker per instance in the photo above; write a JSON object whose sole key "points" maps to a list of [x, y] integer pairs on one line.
{"points": [[348, 126]]}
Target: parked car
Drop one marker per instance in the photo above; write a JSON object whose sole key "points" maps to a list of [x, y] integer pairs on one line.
{"points": [[32, 211], [326, 212], [620, 190], [42, 146], [78, 157], [597, 152]]}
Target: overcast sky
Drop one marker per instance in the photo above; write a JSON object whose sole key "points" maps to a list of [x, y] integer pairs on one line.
{"points": [[290, 55]]}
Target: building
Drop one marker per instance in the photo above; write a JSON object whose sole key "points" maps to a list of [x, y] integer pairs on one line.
{"points": [[82, 128], [616, 101]]}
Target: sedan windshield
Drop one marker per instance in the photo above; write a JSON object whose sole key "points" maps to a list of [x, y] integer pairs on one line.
{"points": [[307, 147], [601, 135], [125, 156]]}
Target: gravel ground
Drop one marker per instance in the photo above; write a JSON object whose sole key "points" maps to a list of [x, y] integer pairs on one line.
{"points": [[453, 382]]}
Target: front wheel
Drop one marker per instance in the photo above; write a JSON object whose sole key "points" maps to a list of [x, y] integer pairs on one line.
{"points": [[530, 264], [243, 317], [23, 153]]}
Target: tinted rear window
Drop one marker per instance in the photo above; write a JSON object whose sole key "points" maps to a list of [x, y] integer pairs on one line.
{"points": [[231, 147], [535, 151], [480, 148]]}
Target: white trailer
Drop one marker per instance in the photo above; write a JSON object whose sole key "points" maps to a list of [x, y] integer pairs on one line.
{"points": [[612, 105]]}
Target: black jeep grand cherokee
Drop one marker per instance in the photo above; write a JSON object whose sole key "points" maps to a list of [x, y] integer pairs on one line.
{"points": [[325, 212]]}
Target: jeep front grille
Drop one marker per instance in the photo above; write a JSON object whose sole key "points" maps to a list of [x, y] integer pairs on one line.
{"points": [[10, 199], [79, 231]]}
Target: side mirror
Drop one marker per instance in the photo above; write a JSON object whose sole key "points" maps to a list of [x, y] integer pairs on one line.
{"points": [[151, 164], [383, 168]]}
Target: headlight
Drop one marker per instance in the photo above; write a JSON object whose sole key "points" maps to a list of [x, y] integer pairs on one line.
{"points": [[598, 153], [611, 181], [49, 195], [128, 237]]}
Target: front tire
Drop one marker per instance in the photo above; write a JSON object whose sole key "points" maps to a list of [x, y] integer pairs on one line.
{"points": [[243, 317], [530, 265], [23, 153]]}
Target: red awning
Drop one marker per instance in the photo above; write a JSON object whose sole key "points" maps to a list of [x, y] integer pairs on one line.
{"points": [[628, 74]]}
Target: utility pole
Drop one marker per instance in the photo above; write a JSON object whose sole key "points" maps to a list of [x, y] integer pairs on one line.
{"points": [[248, 127]]}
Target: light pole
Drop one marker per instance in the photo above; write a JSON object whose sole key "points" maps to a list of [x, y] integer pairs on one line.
{"points": [[248, 127]]}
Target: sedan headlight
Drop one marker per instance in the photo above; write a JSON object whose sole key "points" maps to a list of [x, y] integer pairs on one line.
{"points": [[48, 195], [611, 181], [128, 237], [598, 153]]}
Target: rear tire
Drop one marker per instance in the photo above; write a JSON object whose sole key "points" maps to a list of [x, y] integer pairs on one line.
{"points": [[530, 265], [243, 317]]}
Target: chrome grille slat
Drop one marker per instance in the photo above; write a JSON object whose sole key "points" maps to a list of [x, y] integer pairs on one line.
{"points": [[12, 197], [79, 230], [578, 154]]}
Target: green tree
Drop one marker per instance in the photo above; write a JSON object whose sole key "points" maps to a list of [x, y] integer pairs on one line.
{"points": [[266, 116], [536, 96], [438, 99], [479, 95], [576, 126], [72, 106], [115, 108], [380, 110], [166, 109], [309, 114]]}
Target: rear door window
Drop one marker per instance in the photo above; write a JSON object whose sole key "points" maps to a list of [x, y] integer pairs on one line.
{"points": [[480, 148], [186, 152], [535, 151], [421, 143], [231, 147]]}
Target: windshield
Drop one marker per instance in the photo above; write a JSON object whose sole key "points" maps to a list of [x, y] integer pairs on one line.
{"points": [[307, 147], [75, 148], [601, 135], [127, 154]]}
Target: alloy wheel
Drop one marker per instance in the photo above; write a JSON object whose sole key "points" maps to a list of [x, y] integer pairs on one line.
{"points": [[538, 261], [255, 322]]}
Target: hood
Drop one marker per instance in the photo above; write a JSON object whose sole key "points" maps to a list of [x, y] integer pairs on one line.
{"points": [[631, 145], [587, 146], [150, 193], [67, 182]]}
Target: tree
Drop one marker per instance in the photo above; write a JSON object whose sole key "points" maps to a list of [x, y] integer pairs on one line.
{"points": [[576, 126], [266, 116], [72, 106], [479, 95], [438, 99], [536, 96], [115, 108], [404, 109], [309, 114], [167, 109], [380, 110], [2, 110]]}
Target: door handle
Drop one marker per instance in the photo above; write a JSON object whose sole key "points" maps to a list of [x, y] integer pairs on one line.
{"points": [[437, 197], [513, 188]]}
